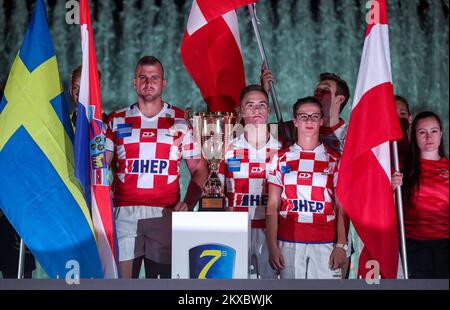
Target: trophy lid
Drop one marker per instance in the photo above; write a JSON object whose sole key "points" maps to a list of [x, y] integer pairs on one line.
{"points": [[230, 114]]}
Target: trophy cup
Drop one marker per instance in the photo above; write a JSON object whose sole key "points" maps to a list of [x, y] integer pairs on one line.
{"points": [[213, 131]]}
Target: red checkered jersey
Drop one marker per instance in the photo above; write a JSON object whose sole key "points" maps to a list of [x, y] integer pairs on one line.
{"points": [[147, 154], [244, 171], [308, 180], [334, 137]]}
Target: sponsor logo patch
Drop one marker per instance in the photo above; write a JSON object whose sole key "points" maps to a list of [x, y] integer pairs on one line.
{"points": [[285, 169], [211, 261], [304, 175], [124, 130], [303, 205], [143, 166]]}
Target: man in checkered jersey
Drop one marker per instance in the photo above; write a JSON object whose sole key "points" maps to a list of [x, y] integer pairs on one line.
{"points": [[244, 172], [306, 226], [146, 142], [333, 93]]}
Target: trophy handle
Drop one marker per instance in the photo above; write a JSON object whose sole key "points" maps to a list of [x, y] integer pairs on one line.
{"points": [[238, 116], [233, 133]]}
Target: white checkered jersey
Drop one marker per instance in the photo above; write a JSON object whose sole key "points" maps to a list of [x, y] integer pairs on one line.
{"points": [[147, 154], [334, 137], [244, 171], [308, 180]]}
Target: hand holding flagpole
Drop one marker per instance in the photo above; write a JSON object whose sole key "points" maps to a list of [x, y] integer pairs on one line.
{"points": [[262, 51]]}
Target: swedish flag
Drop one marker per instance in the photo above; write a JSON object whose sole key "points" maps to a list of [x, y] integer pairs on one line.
{"points": [[38, 190]]}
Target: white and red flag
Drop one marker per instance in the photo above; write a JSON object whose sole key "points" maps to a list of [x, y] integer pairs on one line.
{"points": [[364, 186], [211, 52], [90, 156]]}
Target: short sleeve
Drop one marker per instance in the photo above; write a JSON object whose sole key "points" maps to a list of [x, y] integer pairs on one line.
{"points": [[110, 133], [336, 172], [189, 149], [275, 177]]}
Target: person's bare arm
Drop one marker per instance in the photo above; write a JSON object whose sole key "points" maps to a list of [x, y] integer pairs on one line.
{"points": [[396, 180], [276, 259], [199, 173], [339, 256], [109, 157], [266, 78]]}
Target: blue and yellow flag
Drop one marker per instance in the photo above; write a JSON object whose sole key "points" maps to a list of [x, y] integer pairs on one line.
{"points": [[39, 193]]}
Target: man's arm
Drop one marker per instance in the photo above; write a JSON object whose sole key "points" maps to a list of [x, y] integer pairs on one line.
{"points": [[109, 157], [199, 173], [339, 255], [276, 259]]}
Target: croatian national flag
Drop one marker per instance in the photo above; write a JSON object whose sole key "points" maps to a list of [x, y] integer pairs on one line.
{"points": [[364, 185], [90, 157], [211, 52]]}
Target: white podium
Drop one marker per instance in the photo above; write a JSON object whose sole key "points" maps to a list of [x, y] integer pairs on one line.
{"points": [[210, 245]]}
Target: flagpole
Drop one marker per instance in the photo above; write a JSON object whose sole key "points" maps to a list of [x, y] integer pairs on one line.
{"points": [[20, 269], [398, 192], [255, 22]]}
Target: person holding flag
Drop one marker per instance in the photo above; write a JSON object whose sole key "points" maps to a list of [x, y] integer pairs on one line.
{"points": [[426, 196], [333, 93]]}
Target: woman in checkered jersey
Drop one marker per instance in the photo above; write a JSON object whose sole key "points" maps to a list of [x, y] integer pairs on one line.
{"points": [[306, 227]]}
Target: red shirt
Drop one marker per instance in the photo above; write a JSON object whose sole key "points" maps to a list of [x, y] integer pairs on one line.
{"points": [[427, 216], [147, 153]]}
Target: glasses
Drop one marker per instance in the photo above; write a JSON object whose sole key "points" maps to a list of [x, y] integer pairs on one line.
{"points": [[304, 117]]}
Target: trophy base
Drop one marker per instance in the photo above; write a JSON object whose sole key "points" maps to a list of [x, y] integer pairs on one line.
{"points": [[212, 204]]}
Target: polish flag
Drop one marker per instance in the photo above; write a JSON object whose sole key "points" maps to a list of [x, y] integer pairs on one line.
{"points": [[90, 156], [211, 52], [364, 185]]}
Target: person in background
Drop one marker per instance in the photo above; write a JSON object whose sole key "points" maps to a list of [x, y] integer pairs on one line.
{"points": [[333, 94], [75, 93], [9, 248], [403, 110], [405, 118]]}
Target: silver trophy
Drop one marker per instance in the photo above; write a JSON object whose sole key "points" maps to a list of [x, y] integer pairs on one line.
{"points": [[213, 133]]}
